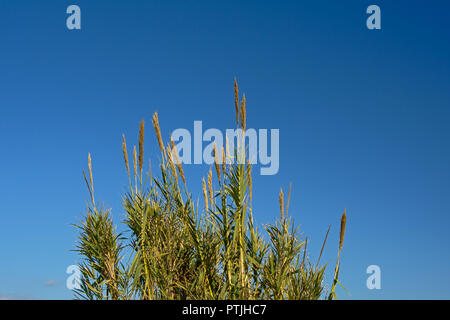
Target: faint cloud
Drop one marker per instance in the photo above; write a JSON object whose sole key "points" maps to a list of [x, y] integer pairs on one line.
{"points": [[50, 283], [13, 297]]}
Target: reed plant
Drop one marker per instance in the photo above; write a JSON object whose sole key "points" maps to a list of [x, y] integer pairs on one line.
{"points": [[177, 249]]}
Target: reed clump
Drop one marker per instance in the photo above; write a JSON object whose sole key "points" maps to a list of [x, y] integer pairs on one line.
{"points": [[178, 249]]}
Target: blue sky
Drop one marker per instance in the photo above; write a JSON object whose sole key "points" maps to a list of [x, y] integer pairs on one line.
{"points": [[363, 118]]}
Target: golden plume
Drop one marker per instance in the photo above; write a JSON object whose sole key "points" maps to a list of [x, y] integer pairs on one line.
{"points": [[205, 193], [158, 131], [125, 154], [342, 233], [282, 203], [216, 161], [141, 145], [243, 114], [236, 100]]}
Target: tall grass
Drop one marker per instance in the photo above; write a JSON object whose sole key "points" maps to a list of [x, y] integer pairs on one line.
{"points": [[177, 249]]}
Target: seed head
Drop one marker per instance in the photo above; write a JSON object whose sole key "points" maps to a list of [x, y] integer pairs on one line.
{"points": [[342, 233], [217, 161], [135, 161], [158, 131], [141, 145], [282, 204], [171, 164], [125, 154], [243, 114], [205, 194]]}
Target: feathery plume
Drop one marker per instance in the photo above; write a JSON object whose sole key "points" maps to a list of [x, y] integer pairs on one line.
{"points": [[282, 203], [158, 131], [342, 233], [172, 166], [216, 161], [135, 162], [125, 154], [341, 242], [243, 114], [141, 145], [205, 194]]}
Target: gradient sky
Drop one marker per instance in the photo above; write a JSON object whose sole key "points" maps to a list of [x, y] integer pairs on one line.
{"points": [[363, 118]]}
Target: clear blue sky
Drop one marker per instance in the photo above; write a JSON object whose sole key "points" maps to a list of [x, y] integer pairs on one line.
{"points": [[363, 118]]}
